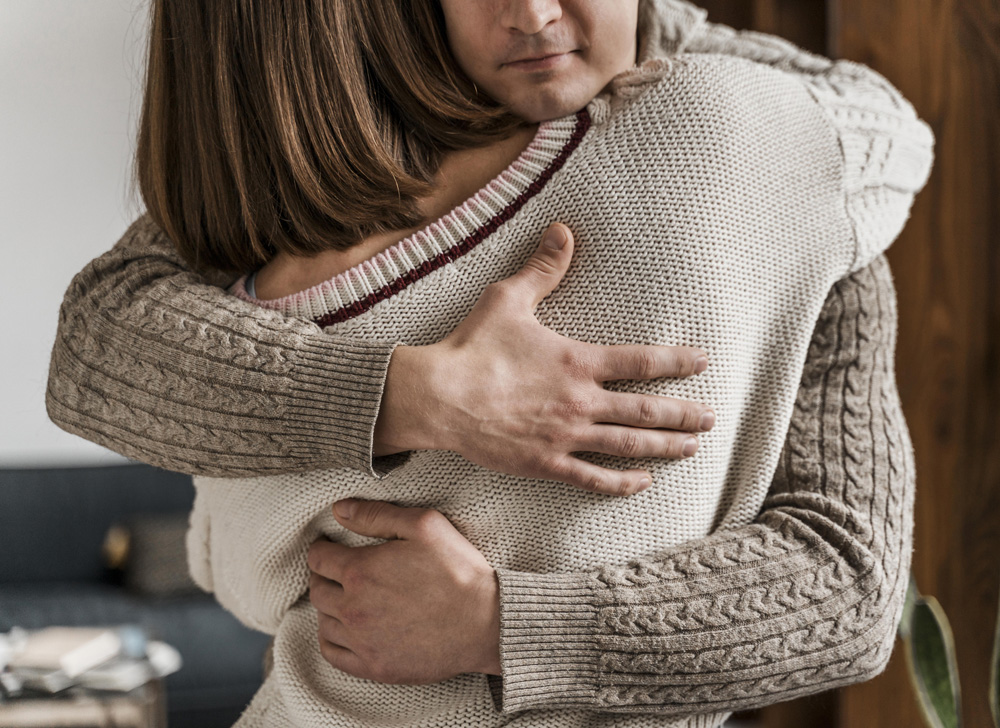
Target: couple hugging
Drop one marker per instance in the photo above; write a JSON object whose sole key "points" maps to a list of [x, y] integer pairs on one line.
{"points": [[645, 473]]}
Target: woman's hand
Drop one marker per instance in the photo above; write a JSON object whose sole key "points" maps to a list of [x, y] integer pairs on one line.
{"points": [[418, 609], [513, 396]]}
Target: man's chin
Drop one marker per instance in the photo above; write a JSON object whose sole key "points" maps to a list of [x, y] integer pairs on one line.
{"points": [[549, 113], [549, 106]]}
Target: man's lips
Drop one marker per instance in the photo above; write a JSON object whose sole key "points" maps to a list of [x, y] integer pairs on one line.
{"points": [[538, 62]]}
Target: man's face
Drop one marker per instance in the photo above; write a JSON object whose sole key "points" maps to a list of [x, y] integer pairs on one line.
{"points": [[542, 58]]}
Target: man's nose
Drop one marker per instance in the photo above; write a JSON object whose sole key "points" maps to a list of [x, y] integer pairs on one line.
{"points": [[531, 16]]}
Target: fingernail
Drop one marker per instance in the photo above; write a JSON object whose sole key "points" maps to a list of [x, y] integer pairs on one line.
{"points": [[643, 484], [690, 445], [554, 238], [345, 509], [707, 421], [700, 365]]}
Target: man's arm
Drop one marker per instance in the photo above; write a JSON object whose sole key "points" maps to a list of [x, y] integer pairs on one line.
{"points": [[156, 363], [804, 599], [159, 364]]}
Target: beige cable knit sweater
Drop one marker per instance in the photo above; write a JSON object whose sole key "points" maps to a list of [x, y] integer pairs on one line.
{"points": [[802, 598]]}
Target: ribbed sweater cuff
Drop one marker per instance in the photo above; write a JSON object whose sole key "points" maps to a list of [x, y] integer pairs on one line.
{"points": [[337, 391], [548, 648]]}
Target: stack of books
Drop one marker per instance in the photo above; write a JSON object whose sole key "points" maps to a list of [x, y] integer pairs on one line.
{"points": [[104, 658]]}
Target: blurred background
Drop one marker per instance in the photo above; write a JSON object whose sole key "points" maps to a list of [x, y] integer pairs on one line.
{"points": [[85, 537], [70, 93], [70, 77]]}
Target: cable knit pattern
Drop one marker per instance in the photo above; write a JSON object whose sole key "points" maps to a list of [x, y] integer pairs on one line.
{"points": [[884, 143], [156, 363], [804, 598], [112, 363], [719, 192], [110, 366]]}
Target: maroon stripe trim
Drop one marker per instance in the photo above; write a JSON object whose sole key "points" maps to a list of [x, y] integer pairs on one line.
{"points": [[464, 246]]}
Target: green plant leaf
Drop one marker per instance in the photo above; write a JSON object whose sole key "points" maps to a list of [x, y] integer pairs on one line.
{"points": [[930, 653], [903, 630], [995, 674]]}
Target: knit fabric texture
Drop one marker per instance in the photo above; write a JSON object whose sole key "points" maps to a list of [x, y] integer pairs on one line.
{"points": [[717, 200], [152, 360]]}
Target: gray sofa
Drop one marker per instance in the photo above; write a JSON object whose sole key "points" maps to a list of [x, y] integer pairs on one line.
{"points": [[52, 525]]}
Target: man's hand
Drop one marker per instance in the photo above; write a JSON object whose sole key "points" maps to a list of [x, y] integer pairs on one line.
{"points": [[418, 609], [513, 396]]}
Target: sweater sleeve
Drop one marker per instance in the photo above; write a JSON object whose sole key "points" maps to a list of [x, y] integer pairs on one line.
{"points": [[888, 151], [162, 365], [805, 598]]}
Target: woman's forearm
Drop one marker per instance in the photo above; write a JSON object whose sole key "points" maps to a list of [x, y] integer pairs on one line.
{"points": [[802, 600]]}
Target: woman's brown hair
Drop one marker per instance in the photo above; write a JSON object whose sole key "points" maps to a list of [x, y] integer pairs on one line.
{"points": [[298, 125]]}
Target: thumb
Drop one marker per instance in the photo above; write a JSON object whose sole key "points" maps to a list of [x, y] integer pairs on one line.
{"points": [[377, 519], [546, 267]]}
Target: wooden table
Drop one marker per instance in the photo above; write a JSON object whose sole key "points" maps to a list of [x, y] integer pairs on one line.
{"points": [[144, 707]]}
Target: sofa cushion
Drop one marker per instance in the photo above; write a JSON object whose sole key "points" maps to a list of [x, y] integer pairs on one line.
{"points": [[53, 520]]}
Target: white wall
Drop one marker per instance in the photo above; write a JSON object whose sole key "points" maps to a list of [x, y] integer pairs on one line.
{"points": [[70, 77]]}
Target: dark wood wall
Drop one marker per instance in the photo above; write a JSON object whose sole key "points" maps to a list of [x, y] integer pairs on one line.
{"points": [[944, 55]]}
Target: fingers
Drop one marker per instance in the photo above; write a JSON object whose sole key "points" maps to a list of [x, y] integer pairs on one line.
{"points": [[546, 267], [647, 362], [350, 662], [647, 426], [638, 443], [381, 519], [327, 559], [651, 411], [340, 657], [378, 519], [587, 476], [324, 593]]}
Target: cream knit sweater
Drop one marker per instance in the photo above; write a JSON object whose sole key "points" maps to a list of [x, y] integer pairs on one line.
{"points": [[716, 201]]}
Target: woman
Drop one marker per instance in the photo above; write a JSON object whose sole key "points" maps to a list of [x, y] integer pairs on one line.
{"points": [[669, 633]]}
